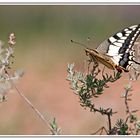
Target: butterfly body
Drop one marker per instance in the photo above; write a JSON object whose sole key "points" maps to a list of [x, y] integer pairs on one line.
{"points": [[118, 51]]}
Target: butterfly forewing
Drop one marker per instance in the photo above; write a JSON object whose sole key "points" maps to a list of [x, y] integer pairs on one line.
{"points": [[120, 47]]}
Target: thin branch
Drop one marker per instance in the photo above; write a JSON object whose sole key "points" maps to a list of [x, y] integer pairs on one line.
{"points": [[109, 122], [32, 106], [126, 101], [127, 89], [55, 130], [100, 130]]}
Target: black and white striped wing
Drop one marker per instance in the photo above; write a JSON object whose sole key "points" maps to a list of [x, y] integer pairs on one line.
{"points": [[121, 46]]}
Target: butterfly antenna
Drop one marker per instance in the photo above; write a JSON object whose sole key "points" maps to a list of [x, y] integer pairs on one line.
{"points": [[75, 42]]}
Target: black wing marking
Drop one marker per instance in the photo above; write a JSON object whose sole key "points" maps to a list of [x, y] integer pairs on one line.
{"points": [[121, 44]]}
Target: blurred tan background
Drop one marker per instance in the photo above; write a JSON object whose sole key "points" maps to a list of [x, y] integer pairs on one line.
{"points": [[43, 50]]}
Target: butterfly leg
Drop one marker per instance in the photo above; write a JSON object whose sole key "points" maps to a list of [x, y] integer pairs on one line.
{"points": [[103, 70], [89, 62]]}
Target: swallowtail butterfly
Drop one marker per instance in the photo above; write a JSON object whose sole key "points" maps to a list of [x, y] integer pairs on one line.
{"points": [[118, 51]]}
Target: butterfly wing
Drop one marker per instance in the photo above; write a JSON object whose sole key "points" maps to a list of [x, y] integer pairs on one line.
{"points": [[95, 56], [120, 47]]}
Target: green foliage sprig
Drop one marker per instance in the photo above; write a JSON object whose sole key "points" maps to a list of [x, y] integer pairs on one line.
{"points": [[90, 86]]}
